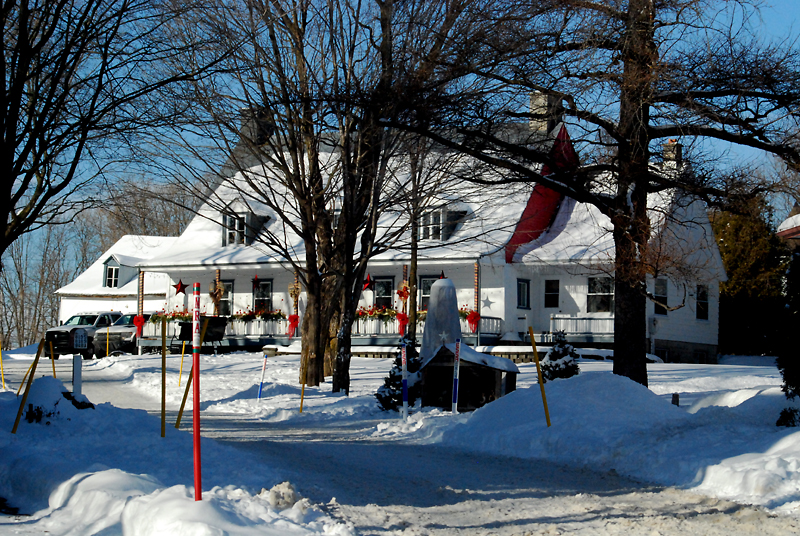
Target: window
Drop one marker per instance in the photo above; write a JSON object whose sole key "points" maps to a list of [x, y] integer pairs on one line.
{"points": [[551, 293], [660, 295], [701, 311], [383, 291], [238, 229], [600, 298], [226, 300], [262, 295], [425, 284], [233, 229], [439, 223], [112, 276], [523, 293]]}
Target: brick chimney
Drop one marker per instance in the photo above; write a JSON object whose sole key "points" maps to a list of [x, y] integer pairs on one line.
{"points": [[550, 112], [673, 152]]}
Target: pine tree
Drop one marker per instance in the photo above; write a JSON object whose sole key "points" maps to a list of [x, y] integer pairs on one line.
{"points": [[390, 394], [560, 360]]}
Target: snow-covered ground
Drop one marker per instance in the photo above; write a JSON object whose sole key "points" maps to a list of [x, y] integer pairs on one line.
{"points": [[108, 471]]}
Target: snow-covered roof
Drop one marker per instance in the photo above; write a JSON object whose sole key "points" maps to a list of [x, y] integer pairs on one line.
{"points": [[136, 248], [789, 223], [581, 234], [471, 355], [491, 214]]}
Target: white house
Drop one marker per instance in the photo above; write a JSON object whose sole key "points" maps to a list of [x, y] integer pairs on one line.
{"points": [[111, 282], [519, 256]]}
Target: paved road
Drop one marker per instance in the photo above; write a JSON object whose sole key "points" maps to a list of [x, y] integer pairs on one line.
{"points": [[385, 487]]}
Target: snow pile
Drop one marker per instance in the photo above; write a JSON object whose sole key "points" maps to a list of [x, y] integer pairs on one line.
{"points": [[726, 444], [108, 469]]}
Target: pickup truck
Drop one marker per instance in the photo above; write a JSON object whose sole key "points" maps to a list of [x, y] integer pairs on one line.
{"points": [[91, 322]]}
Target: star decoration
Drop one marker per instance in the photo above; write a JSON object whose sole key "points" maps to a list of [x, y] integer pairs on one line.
{"points": [[180, 287], [487, 302], [443, 335], [369, 284]]}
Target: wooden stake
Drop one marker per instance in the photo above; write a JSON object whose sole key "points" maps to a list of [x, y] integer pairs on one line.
{"points": [[180, 373], [28, 388], [23, 379], [539, 372], [189, 381], [53, 359], [163, 376], [2, 373]]}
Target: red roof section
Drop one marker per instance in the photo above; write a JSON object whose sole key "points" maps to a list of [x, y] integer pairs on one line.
{"points": [[543, 203]]}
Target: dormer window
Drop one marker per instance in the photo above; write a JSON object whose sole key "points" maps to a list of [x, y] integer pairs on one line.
{"points": [[233, 229], [440, 223], [111, 272], [112, 276], [241, 229]]}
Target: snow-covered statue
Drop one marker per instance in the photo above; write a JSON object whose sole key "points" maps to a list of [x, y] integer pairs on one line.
{"points": [[442, 325]]}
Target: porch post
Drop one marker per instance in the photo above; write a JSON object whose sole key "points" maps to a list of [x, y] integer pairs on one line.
{"points": [[217, 276], [140, 294], [477, 303]]}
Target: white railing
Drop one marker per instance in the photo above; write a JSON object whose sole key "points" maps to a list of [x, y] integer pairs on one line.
{"points": [[257, 328], [153, 329], [581, 324], [366, 326], [376, 326]]}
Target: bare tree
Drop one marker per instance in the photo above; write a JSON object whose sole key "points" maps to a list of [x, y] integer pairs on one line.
{"points": [[319, 82], [77, 78], [627, 77], [35, 266]]}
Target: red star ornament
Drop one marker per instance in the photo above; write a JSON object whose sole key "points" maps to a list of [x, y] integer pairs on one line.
{"points": [[180, 287], [369, 284]]}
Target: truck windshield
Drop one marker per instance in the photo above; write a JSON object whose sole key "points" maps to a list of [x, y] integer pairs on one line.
{"points": [[81, 320]]}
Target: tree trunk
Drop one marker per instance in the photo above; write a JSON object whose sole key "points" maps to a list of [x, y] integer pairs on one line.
{"points": [[630, 341], [311, 361], [629, 214], [341, 376]]}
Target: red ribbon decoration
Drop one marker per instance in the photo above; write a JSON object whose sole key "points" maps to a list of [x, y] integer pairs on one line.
{"points": [[139, 321], [402, 322], [294, 321], [472, 319]]}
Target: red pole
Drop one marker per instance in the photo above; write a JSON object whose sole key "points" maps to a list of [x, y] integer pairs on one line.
{"points": [[198, 487]]}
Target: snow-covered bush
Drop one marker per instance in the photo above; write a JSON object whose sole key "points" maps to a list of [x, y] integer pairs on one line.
{"points": [[560, 360], [390, 394]]}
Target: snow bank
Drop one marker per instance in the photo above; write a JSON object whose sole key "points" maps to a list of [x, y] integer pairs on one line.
{"points": [[726, 444], [91, 470]]}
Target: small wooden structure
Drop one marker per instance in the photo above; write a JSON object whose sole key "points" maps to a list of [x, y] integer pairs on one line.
{"points": [[482, 378]]}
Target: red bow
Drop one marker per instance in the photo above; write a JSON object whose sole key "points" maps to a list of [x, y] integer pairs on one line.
{"points": [[402, 322], [472, 319], [294, 321], [138, 321]]}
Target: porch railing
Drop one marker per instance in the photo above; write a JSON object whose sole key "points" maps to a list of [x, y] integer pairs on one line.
{"points": [[362, 327], [376, 326], [581, 324]]}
